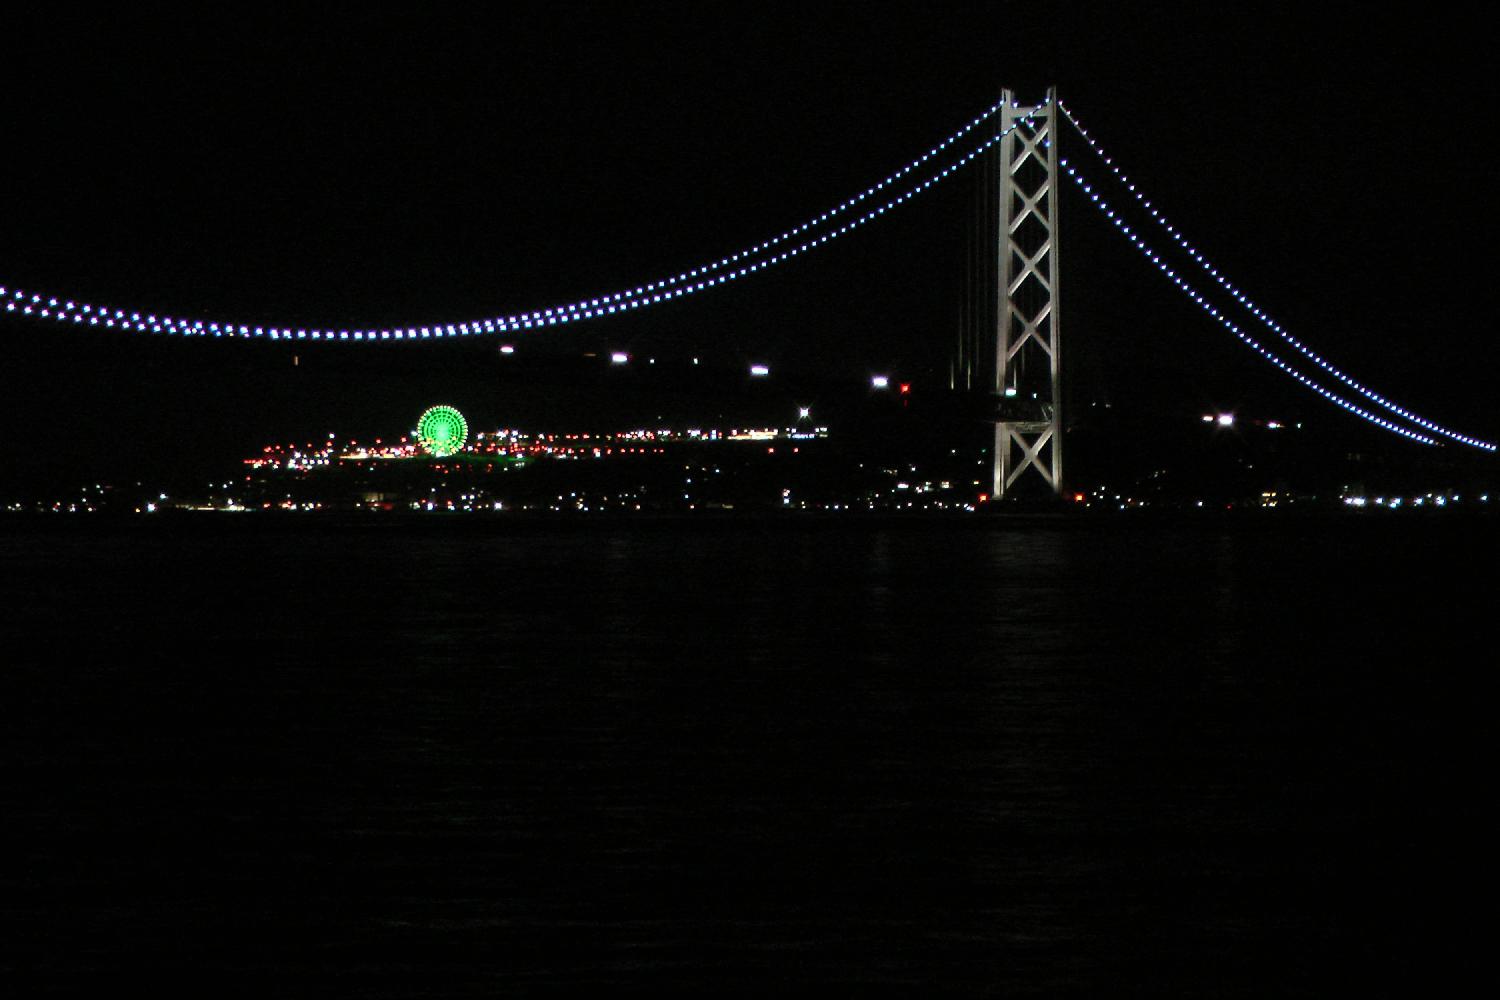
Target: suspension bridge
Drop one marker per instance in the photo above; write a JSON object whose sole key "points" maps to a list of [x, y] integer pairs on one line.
{"points": [[1030, 152]]}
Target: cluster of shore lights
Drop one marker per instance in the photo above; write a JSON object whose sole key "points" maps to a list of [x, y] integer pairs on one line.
{"points": [[38, 306], [1394, 503], [1252, 307], [1229, 324]]}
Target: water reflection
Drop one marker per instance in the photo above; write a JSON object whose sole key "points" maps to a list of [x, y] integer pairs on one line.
{"points": [[688, 759]]}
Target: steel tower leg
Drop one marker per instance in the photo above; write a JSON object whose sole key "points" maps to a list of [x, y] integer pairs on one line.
{"points": [[1028, 428]]}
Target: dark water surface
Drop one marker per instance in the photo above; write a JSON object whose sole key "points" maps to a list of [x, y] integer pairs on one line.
{"points": [[890, 760]]}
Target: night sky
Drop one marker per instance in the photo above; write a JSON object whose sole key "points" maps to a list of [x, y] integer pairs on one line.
{"points": [[362, 167]]}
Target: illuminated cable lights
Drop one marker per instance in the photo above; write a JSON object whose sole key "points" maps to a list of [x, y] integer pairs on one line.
{"points": [[1224, 320], [33, 305], [828, 215], [1254, 309]]}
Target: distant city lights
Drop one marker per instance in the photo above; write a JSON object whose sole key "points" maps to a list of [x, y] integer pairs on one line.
{"points": [[760, 371], [619, 358], [880, 382]]}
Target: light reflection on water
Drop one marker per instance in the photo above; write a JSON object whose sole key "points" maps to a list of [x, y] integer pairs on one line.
{"points": [[1116, 759]]}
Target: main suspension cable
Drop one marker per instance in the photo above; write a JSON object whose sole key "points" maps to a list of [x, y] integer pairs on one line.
{"points": [[1219, 316], [750, 260], [1254, 309]]}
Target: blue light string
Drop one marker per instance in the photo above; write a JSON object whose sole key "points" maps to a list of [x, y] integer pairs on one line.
{"points": [[37, 306], [1254, 309], [1224, 320]]}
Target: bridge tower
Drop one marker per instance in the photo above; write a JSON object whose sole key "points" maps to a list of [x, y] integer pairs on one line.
{"points": [[1028, 414]]}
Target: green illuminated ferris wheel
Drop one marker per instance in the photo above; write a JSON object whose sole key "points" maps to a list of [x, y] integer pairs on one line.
{"points": [[442, 431]]}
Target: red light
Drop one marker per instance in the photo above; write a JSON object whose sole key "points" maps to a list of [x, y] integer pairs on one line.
{"points": [[905, 388], [984, 498], [1078, 498]]}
